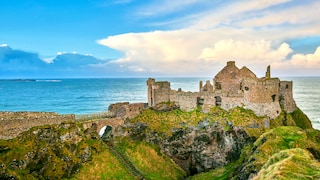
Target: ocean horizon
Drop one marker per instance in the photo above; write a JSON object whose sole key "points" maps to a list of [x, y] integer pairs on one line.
{"points": [[92, 95]]}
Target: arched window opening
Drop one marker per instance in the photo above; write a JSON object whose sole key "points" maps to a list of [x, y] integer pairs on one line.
{"points": [[218, 100]]}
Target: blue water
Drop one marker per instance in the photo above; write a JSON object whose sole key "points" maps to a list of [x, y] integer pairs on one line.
{"points": [[84, 96]]}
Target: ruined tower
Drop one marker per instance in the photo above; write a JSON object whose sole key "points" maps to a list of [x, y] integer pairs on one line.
{"points": [[268, 74]]}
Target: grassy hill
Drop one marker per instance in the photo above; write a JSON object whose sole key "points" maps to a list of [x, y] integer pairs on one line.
{"points": [[288, 149]]}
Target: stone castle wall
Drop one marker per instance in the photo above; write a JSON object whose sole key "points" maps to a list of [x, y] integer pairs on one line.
{"points": [[230, 88], [14, 123], [286, 96], [187, 100]]}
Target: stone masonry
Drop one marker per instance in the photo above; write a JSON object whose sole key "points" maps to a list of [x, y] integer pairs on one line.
{"points": [[14, 123], [230, 88]]}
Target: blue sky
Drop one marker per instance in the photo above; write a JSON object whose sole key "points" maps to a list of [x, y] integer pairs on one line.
{"points": [[143, 38]]}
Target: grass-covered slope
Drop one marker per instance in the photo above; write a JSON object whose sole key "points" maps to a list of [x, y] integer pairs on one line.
{"points": [[164, 122], [277, 140], [104, 165], [148, 159], [290, 164], [295, 118], [69, 151]]}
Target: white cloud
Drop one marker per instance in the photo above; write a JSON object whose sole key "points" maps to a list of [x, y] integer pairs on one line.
{"points": [[4, 45], [60, 53], [253, 33], [309, 61], [260, 52], [299, 64]]}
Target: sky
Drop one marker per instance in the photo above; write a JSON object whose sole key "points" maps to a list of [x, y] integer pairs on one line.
{"points": [[157, 38]]}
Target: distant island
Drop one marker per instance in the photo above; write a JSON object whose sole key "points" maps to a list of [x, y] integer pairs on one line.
{"points": [[237, 127]]}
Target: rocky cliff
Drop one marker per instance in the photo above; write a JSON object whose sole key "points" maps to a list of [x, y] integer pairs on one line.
{"points": [[234, 144], [47, 152], [196, 149]]}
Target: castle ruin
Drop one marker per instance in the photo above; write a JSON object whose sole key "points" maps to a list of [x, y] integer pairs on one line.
{"points": [[230, 88]]}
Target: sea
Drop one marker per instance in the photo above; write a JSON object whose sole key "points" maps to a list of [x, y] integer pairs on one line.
{"points": [[86, 96]]}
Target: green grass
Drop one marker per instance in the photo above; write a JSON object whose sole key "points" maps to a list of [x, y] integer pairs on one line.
{"points": [[301, 119], [103, 166], [290, 164], [42, 154], [164, 122], [296, 118], [149, 160], [279, 139]]}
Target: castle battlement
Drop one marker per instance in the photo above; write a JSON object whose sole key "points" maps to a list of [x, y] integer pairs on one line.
{"points": [[231, 87]]}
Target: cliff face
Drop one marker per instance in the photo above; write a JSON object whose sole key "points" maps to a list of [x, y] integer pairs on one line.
{"points": [[196, 149], [48, 152], [235, 143]]}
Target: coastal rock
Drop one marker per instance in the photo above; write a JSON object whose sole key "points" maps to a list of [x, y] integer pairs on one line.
{"points": [[197, 149], [48, 152]]}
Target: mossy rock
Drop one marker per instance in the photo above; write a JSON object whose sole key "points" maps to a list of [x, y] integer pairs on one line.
{"points": [[47, 152], [301, 119], [295, 118], [164, 122]]}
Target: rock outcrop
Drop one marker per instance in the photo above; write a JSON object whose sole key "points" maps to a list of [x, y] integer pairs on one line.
{"points": [[48, 152], [196, 149]]}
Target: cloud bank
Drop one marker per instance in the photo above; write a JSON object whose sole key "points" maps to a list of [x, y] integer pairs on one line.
{"points": [[252, 33], [23, 64]]}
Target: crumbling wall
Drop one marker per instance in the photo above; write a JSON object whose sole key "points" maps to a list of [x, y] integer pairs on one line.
{"points": [[286, 96], [262, 90], [158, 92], [231, 87], [228, 78], [14, 123], [186, 100], [125, 110]]}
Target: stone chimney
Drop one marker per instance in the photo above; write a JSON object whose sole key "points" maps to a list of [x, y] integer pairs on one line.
{"points": [[231, 63]]}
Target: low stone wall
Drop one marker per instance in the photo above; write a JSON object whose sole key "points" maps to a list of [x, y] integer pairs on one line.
{"points": [[14, 123], [125, 110]]}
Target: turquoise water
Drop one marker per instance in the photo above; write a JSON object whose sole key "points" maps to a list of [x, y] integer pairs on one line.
{"points": [[83, 96]]}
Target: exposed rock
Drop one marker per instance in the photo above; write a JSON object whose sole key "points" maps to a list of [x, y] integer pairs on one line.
{"points": [[49, 152], [107, 135], [196, 149]]}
